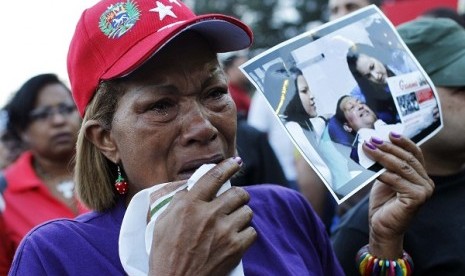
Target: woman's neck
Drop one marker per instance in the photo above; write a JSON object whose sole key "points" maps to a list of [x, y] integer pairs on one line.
{"points": [[53, 171], [58, 178]]}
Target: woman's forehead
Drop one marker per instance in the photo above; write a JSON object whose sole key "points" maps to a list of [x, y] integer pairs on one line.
{"points": [[191, 72], [185, 55]]}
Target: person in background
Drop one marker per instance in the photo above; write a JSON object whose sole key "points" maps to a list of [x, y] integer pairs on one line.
{"points": [[435, 236], [238, 84], [260, 164], [10, 148], [43, 119], [156, 111], [445, 12], [339, 8]]}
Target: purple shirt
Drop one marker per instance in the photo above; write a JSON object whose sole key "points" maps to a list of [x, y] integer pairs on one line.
{"points": [[291, 241]]}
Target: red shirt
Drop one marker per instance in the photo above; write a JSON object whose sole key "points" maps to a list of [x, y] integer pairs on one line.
{"points": [[28, 203]]}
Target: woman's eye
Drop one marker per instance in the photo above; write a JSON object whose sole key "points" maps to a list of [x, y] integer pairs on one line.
{"points": [[217, 93], [163, 110], [162, 107]]}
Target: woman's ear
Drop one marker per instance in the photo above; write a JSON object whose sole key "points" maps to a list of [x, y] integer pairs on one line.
{"points": [[102, 139], [347, 128]]}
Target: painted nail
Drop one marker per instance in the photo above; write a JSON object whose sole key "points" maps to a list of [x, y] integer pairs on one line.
{"points": [[238, 160], [370, 145], [376, 140], [395, 134]]}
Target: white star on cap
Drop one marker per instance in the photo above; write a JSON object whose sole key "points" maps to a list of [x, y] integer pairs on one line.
{"points": [[163, 10], [175, 1]]}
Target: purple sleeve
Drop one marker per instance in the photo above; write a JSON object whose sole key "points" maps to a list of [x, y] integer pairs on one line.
{"points": [[27, 260], [70, 247], [291, 238]]}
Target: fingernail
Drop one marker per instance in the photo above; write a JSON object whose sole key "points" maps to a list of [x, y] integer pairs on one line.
{"points": [[376, 140], [238, 160], [395, 134], [370, 145]]}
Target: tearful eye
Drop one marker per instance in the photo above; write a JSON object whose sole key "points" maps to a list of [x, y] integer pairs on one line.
{"points": [[163, 110], [217, 93]]}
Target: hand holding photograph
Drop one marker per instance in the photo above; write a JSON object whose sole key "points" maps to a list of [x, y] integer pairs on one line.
{"points": [[341, 84]]}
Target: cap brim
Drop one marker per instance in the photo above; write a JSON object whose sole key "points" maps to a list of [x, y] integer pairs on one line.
{"points": [[224, 33], [451, 75]]}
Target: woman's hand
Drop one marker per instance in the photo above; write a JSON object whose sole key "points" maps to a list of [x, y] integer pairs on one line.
{"points": [[397, 194], [201, 234]]}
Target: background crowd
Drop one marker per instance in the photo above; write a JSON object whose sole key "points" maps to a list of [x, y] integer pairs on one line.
{"points": [[41, 123]]}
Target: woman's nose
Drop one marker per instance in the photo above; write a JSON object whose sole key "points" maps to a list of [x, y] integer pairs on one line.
{"points": [[57, 118], [312, 101], [197, 127]]}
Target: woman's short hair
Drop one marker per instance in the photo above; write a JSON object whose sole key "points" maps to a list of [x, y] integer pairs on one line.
{"points": [[94, 173], [24, 100], [18, 112]]}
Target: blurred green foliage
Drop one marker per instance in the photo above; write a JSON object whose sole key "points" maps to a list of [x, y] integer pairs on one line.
{"points": [[272, 21]]}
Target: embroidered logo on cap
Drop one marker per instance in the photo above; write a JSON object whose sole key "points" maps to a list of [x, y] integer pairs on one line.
{"points": [[119, 18]]}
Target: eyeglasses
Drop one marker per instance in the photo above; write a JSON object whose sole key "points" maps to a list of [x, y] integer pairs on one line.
{"points": [[47, 113]]}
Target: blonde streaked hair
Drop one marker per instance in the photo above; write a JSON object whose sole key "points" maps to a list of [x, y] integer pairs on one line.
{"points": [[94, 173]]}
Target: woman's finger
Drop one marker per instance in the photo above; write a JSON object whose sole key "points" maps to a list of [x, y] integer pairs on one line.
{"points": [[392, 162], [408, 145], [397, 159], [209, 184], [230, 200], [246, 237], [240, 218], [409, 191]]}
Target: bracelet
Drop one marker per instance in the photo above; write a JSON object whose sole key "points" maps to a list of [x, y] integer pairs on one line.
{"points": [[369, 265]]}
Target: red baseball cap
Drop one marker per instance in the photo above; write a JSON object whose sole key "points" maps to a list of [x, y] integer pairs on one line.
{"points": [[114, 37]]}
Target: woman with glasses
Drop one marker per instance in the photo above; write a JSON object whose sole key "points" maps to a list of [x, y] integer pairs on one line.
{"points": [[43, 121]]}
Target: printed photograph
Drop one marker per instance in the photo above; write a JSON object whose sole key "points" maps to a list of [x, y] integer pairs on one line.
{"points": [[340, 84]]}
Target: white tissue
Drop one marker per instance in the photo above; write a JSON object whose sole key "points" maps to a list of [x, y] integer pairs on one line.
{"points": [[136, 235]]}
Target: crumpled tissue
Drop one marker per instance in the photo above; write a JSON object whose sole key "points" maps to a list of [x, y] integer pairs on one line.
{"points": [[136, 235]]}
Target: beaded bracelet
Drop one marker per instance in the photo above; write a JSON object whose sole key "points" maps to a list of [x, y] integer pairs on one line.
{"points": [[369, 265]]}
